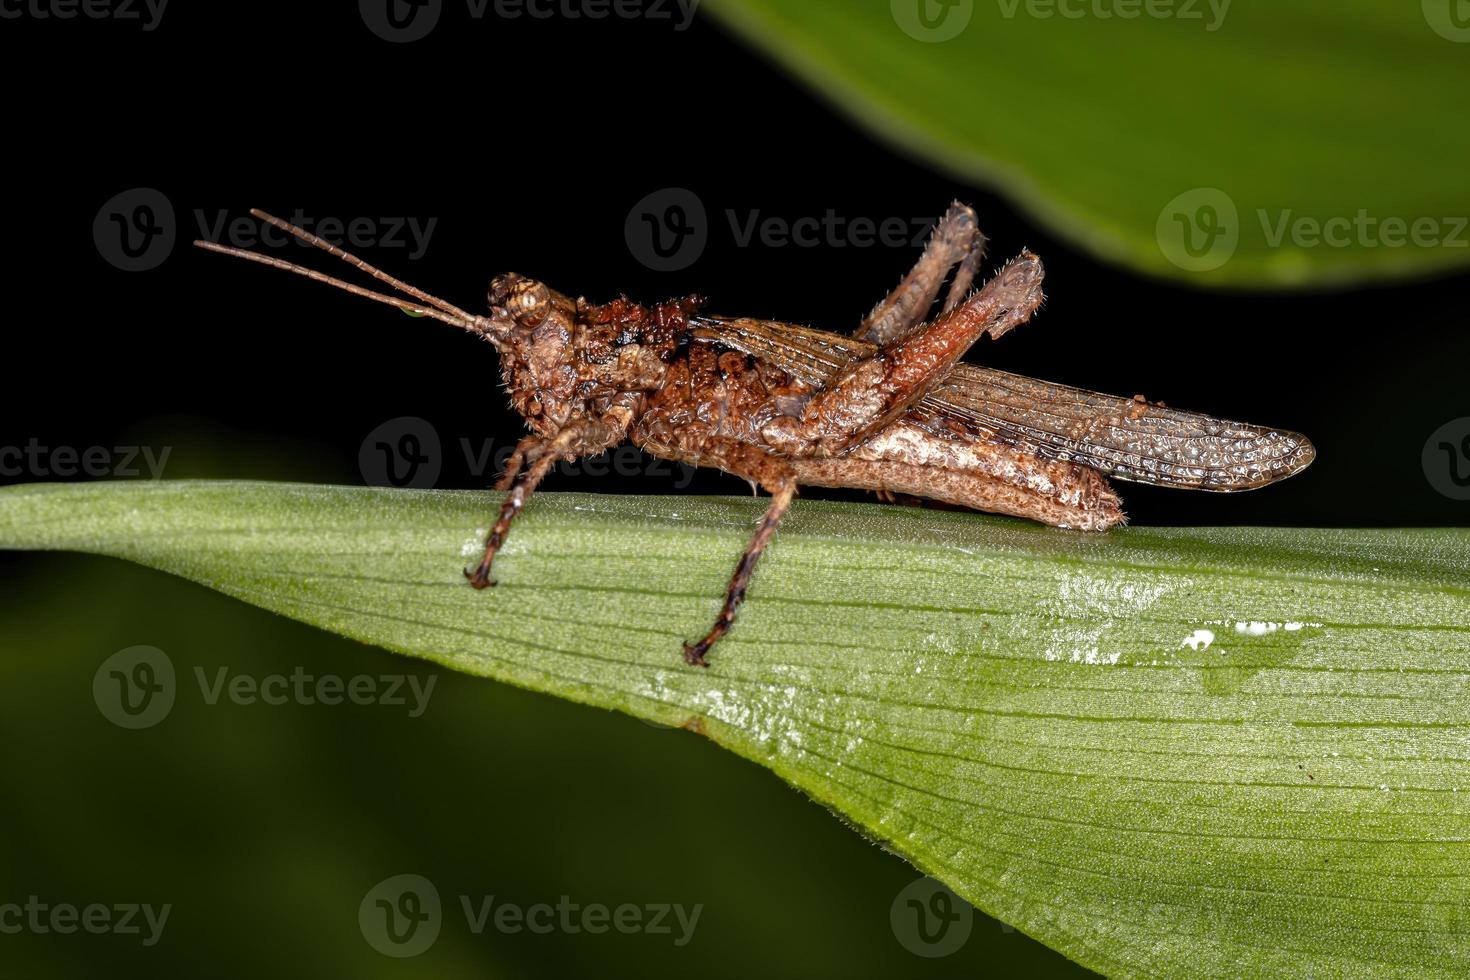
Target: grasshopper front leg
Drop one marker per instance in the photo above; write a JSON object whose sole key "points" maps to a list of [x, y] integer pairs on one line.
{"points": [[533, 459]]}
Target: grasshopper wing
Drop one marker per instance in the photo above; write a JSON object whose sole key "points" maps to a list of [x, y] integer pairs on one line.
{"points": [[1128, 438]]}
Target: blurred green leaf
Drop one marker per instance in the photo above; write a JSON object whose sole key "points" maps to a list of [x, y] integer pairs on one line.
{"points": [[1260, 144], [1221, 751]]}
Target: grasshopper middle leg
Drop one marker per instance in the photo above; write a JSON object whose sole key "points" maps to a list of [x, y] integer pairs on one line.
{"points": [[781, 497], [751, 463]]}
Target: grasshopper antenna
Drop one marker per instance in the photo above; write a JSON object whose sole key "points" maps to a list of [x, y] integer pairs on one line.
{"points": [[351, 259], [429, 305]]}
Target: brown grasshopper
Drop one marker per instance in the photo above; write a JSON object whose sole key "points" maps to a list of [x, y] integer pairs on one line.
{"points": [[889, 408]]}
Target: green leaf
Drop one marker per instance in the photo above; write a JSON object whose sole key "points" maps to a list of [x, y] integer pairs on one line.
{"points": [[1218, 751], [1124, 124]]}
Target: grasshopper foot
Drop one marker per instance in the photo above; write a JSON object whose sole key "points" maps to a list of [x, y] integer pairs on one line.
{"points": [[480, 577], [694, 653]]}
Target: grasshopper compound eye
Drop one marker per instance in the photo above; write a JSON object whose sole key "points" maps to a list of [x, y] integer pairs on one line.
{"points": [[525, 300]]}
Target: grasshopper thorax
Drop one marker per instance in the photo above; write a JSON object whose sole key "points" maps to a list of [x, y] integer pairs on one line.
{"points": [[563, 358]]}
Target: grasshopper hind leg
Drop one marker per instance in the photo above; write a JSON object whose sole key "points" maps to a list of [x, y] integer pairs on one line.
{"points": [[958, 244]]}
